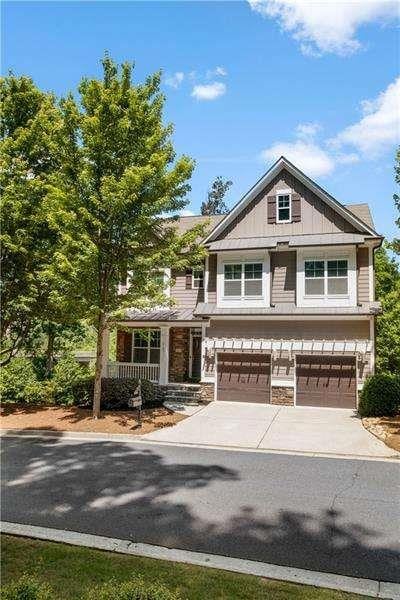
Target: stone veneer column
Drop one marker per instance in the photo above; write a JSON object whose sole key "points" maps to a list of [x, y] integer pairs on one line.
{"points": [[179, 354], [284, 396]]}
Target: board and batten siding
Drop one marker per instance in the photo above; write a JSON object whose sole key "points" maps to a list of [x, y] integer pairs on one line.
{"points": [[184, 298], [363, 275], [315, 215], [212, 278], [283, 270]]}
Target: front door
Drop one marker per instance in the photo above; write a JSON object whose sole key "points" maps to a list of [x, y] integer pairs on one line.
{"points": [[195, 355]]}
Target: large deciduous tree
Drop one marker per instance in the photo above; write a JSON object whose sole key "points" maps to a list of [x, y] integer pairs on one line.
{"points": [[215, 205], [28, 157], [119, 182]]}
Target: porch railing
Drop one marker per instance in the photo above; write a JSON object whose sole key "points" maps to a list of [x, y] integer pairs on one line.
{"points": [[125, 370]]}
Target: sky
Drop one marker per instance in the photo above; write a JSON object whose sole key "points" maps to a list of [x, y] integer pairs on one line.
{"points": [[244, 82]]}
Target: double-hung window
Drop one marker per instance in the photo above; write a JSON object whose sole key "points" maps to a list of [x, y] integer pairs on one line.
{"points": [[197, 279], [283, 208], [326, 277], [243, 280], [146, 346]]}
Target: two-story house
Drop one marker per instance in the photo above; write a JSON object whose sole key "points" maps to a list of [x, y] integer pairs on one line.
{"points": [[283, 310]]}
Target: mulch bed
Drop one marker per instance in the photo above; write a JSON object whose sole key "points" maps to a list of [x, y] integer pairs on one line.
{"points": [[386, 429], [61, 418]]}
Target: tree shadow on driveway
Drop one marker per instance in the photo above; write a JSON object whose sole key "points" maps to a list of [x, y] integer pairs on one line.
{"points": [[172, 497]]}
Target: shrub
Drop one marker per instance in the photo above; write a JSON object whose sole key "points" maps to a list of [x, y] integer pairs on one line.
{"points": [[380, 396], [131, 590], [26, 588], [115, 393], [67, 373], [15, 378]]}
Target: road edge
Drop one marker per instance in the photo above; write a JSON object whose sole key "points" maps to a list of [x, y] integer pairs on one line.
{"points": [[364, 587]]}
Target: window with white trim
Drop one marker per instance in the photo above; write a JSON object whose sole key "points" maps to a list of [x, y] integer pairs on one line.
{"points": [[326, 277], [243, 280], [283, 208], [146, 346], [197, 279]]}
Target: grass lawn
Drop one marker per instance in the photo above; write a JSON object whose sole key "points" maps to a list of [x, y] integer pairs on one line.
{"points": [[70, 570]]}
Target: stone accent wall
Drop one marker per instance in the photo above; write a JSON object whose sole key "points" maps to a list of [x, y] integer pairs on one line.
{"points": [[284, 396], [206, 392], [179, 338], [124, 346]]}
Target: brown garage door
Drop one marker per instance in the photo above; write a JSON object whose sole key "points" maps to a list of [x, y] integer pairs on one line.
{"points": [[244, 377], [326, 381]]}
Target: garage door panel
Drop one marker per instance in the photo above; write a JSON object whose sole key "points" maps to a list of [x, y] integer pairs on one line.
{"points": [[326, 381], [243, 377]]}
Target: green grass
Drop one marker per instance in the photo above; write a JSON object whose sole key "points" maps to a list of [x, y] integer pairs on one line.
{"points": [[71, 570]]}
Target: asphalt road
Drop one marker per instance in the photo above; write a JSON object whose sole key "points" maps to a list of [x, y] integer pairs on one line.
{"points": [[324, 514]]}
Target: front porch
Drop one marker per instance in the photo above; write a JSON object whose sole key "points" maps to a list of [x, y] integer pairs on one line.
{"points": [[163, 355]]}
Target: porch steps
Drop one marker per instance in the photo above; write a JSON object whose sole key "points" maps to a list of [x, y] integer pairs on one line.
{"points": [[185, 393]]}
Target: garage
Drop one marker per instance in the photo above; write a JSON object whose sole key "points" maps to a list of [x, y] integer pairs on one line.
{"points": [[243, 377], [327, 381]]}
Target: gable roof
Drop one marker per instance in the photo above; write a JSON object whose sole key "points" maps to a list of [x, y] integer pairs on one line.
{"points": [[352, 216], [362, 212]]}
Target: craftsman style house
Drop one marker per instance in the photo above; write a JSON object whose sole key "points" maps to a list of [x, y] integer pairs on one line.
{"points": [[283, 310]]}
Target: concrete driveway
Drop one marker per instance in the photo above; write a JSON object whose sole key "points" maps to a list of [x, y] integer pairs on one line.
{"points": [[246, 425]]}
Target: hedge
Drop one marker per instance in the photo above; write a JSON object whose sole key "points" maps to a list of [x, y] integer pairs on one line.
{"points": [[380, 396]]}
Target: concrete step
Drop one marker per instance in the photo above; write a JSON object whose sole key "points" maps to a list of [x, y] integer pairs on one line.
{"points": [[182, 398]]}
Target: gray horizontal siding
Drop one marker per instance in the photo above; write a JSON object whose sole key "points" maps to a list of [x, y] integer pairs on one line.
{"points": [[363, 274], [183, 297], [212, 278], [283, 270]]}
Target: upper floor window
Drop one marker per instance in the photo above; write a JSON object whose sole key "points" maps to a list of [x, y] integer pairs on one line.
{"points": [[146, 346], [243, 280], [326, 277], [197, 279], [283, 208]]}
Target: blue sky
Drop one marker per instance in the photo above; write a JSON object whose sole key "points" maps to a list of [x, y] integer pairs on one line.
{"points": [[244, 82]]}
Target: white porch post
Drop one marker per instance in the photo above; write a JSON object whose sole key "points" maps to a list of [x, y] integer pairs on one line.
{"points": [[164, 354], [106, 342]]}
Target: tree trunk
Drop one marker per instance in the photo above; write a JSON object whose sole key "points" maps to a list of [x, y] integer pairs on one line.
{"points": [[50, 349], [100, 358]]}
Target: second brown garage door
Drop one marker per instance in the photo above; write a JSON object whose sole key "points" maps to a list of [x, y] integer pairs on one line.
{"points": [[244, 377], [328, 381]]}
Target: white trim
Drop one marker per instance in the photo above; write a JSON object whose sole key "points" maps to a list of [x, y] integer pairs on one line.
{"points": [[327, 253], [371, 286], [206, 278], [282, 383], [277, 195], [283, 163], [164, 354], [255, 256], [314, 346], [372, 337], [199, 287]]}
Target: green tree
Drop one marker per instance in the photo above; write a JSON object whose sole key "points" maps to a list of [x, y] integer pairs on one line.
{"points": [[28, 157], [387, 274], [396, 198], [215, 205], [119, 181], [29, 143]]}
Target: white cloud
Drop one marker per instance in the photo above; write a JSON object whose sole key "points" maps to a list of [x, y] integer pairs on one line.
{"points": [[175, 80], [306, 155], [209, 91], [307, 130], [217, 72], [379, 128], [326, 25]]}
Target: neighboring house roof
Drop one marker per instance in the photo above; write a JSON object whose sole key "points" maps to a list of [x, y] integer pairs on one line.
{"points": [[283, 163], [292, 240], [186, 223], [362, 212], [204, 309]]}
